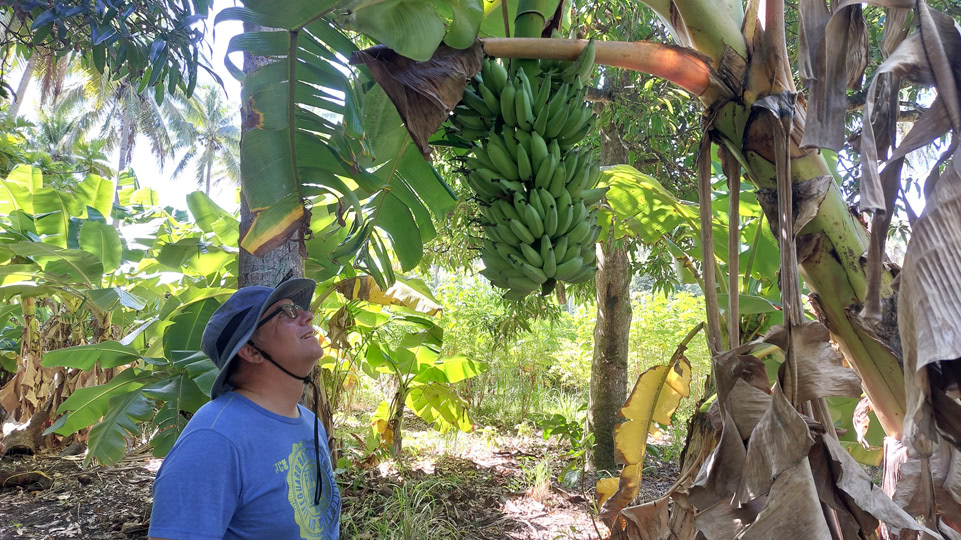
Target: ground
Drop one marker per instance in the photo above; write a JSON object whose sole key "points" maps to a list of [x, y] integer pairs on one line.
{"points": [[471, 486]]}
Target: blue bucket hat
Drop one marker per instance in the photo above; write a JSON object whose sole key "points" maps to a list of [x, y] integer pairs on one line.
{"points": [[231, 326]]}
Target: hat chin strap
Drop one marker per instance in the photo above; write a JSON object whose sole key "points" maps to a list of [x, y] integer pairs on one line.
{"points": [[306, 379]]}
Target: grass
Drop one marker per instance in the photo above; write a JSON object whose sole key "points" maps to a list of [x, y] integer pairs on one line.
{"points": [[412, 511]]}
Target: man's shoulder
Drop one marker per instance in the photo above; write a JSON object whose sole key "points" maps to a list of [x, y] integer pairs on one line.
{"points": [[223, 415]]}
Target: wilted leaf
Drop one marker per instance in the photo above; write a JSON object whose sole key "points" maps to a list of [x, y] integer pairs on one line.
{"points": [[792, 511], [424, 92], [649, 521], [655, 397], [779, 442], [366, 288], [819, 372], [862, 420]]}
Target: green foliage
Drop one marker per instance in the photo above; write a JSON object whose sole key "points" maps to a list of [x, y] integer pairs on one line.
{"points": [[155, 44]]}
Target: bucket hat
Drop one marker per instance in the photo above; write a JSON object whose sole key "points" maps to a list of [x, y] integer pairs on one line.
{"points": [[231, 326]]}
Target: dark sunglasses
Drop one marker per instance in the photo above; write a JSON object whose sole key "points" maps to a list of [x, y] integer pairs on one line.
{"points": [[290, 310]]}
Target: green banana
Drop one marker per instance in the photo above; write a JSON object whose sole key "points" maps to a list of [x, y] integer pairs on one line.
{"points": [[511, 186], [495, 262], [481, 156], [557, 185], [539, 149], [521, 284], [589, 253], [498, 80], [569, 269], [555, 150], [531, 256], [550, 264], [575, 121], [565, 216], [522, 109], [507, 105], [521, 232], [579, 232], [489, 99], [524, 168], [560, 249], [507, 233], [491, 232], [576, 186], [545, 172], [533, 273], [477, 103], [579, 215], [543, 94], [503, 162], [509, 141], [507, 209], [506, 251], [470, 122], [592, 196], [556, 122], [525, 83], [585, 274], [564, 200], [523, 139], [583, 64], [536, 203], [567, 142], [534, 223], [550, 215], [540, 124], [573, 166]]}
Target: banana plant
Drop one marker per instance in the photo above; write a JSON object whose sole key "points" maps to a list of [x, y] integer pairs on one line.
{"points": [[394, 332], [321, 135]]}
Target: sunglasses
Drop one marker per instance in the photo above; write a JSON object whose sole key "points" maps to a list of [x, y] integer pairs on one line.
{"points": [[290, 310]]}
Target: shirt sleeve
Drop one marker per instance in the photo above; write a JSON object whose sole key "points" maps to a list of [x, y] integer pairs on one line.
{"points": [[197, 489]]}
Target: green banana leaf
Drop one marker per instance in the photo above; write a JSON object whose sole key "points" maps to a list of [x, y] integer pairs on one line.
{"points": [[108, 441], [108, 353], [315, 143]]}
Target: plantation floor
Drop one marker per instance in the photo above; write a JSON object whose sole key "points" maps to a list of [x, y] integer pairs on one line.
{"points": [[477, 486]]}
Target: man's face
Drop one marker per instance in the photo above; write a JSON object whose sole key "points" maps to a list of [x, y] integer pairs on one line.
{"points": [[290, 341]]}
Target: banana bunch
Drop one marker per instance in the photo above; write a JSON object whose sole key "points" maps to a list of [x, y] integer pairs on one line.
{"points": [[536, 189]]}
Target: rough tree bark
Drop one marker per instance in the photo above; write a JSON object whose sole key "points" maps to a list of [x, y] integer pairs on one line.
{"points": [[612, 329]]}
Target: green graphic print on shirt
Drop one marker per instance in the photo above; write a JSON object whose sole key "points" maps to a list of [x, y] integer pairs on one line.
{"points": [[315, 521]]}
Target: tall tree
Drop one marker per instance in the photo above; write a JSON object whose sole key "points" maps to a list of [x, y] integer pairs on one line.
{"points": [[612, 330], [208, 132], [127, 113]]}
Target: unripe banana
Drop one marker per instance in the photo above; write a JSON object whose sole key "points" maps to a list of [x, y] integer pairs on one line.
{"points": [[522, 109], [556, 122], [557, 184], [550, 264], [543, 94], [489, 99], [498, 80], [565, 215], [521, 284], [533, 273], [560, 249], [506, 233], [539, 150], [524, 168], [550, 218], [579, 232], [534, 223], [585, 274], [568, 269], [503, 162], [509, 141], [531, 256], [545, 172], [589, 253], [511, 186], [477, 103], [507, 209], [521, 232], [507, 105], [535, 202], [592, 196], [523, 139]]}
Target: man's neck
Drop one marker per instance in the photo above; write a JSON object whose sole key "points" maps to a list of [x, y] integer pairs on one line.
{"points": [[277, 396]]}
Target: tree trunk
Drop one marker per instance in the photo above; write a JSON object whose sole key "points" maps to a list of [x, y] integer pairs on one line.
{"points": [[22, 87], [286, 260], [396, 423], [612, 330], [210, 164]]}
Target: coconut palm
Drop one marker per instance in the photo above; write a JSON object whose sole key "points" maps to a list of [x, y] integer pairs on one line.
{"points": [[126, 113], [204, 127]]}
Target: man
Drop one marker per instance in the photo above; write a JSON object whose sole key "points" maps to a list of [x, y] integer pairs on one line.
{"points": [[246, 465]]}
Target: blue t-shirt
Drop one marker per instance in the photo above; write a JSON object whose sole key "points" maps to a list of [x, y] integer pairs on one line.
{"points": [[239, 471]]}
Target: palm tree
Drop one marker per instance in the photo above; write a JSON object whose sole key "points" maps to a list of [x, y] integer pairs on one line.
{"points": [[205, 128], [126, 113]]}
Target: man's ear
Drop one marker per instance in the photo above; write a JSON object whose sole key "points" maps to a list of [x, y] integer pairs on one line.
{"points": [[250, 354]]}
